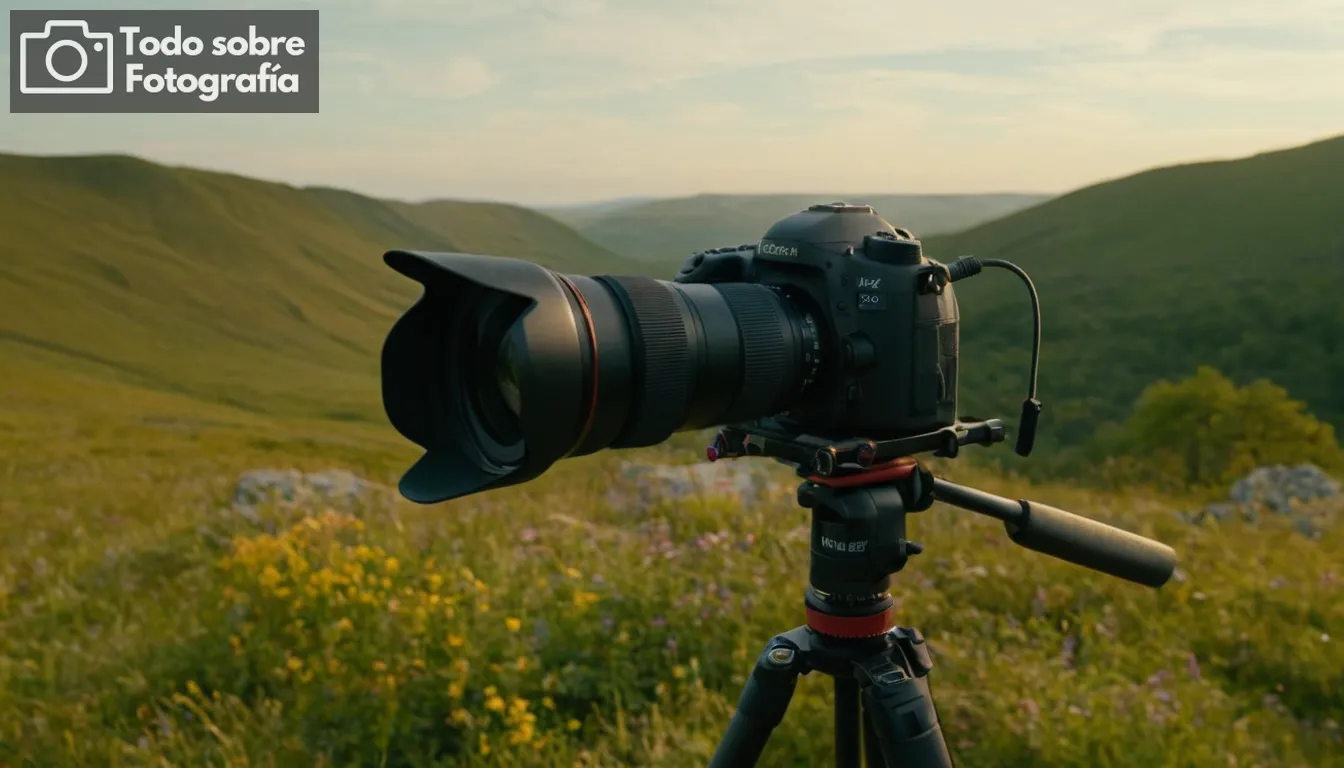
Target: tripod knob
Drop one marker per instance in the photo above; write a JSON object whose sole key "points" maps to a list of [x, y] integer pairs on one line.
{"points": [[901, 552], [807, 495]]}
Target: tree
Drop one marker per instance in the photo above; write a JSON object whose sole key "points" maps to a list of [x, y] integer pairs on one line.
{"points": [[1205, 430]]}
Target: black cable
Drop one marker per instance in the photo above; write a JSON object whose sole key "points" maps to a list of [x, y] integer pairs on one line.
{"points": [[1035, 317], [967, 266]]}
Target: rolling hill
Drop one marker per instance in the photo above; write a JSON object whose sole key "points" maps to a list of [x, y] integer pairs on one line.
{"points": [[274, 299], [666, 231], [1236, 264], [259, 295]]}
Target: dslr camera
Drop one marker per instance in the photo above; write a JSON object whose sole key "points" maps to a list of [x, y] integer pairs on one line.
{"points": [[833, 326]]}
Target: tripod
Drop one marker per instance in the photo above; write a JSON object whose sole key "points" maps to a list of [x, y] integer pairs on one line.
{"points": [[884, 710]]}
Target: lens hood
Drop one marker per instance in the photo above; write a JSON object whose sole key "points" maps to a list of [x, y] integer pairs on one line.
{"points": [[429, 354]]}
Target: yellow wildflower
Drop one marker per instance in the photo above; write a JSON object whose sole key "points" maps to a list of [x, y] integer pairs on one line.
{"points": [[391, 565], [573, 725], [522, 734], [269, 576], [294, 663], [454, 691], [459, 717], [513, 624], [456, 641], [494, 704], [572, 573], [379, 666], [485, 744], [548, 702], [678, 671]]}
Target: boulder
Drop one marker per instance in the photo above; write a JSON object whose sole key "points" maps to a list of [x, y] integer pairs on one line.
{"points": [[336, 489]]}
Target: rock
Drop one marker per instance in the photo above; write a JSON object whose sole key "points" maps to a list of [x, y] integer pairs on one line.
{"points": [[644, 485], [1281, 488], [1295, 492], [335, 488]]}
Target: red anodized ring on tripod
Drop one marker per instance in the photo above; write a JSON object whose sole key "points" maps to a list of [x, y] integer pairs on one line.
{"points": [[851, 626], [895, 469]]}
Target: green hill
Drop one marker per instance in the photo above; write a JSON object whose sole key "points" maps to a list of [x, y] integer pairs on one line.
{"points": [[1236, 264], [667, 231], [163, 331], [232, 290]]}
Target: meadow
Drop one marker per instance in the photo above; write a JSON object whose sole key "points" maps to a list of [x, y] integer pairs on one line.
{"points": [[142, 622], [165, 330]]}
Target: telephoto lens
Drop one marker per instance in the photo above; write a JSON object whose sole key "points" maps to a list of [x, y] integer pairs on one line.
{"points": [[504, 367]]}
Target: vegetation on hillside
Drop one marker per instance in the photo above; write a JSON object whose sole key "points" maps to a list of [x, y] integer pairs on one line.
{"points": [[1235, 265], [1205, 432], [263, 296], [665, 232], [144, 623], [162, 331]]}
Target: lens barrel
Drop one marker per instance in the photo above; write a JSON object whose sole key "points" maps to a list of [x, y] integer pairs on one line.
{"points": [[504, 367]]}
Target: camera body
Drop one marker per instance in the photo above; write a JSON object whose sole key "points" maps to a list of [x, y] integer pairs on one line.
{"points": [[884, 318]]}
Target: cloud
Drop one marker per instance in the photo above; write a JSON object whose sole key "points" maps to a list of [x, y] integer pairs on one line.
{"points": [[657, 46], [550, 100], [455, 77], [432, 77]]}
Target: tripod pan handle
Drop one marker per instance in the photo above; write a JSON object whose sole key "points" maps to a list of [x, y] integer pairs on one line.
{"points": [[1092, 544], [1067, 536]]}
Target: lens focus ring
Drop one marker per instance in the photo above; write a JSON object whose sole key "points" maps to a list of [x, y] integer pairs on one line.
{"points": [[766, 354], [663, 359]]}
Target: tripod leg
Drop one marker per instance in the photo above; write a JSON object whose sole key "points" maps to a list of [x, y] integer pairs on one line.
{"points": [[906, 723], [847, 723], [872, 748], [761, 707], [899, 706]]}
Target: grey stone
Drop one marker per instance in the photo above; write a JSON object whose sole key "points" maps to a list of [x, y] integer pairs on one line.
{"points": [[338, 489], [1304, 494], [642, 486], [1280, 489]]}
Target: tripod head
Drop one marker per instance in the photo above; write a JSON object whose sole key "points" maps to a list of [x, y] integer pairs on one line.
{"points": [[861, 490]]}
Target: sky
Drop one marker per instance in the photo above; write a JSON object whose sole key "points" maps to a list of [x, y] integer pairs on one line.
{"points": [[544, 102]]}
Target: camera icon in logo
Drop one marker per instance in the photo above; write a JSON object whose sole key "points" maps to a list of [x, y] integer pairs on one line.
{"points": [[65, 57]]}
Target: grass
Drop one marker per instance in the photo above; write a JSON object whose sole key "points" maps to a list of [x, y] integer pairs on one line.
{"points": [[143, 623], [227, 289], [164, 330]]}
